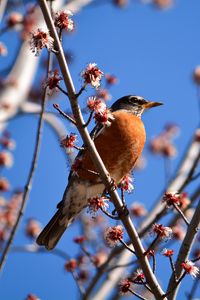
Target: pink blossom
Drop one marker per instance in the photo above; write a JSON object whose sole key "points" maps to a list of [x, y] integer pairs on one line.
{"points": [[171, 198], [96, 203], [113, 235], [163, 4], [71, 265], [197, 133], [63, 20], [39, 40], [6, 159], [178, 232], [162, 231], [3, 50], [104, 118], [96, 105], [138, 276], [126, 184], [138, 210], [124, 286], [53, 80], [33, 228], [92, 75], [69, 142], [103, 94], [79, 239], [111, 79], [99, 258], [14, 19], [167, 252], [32, 297], [4, 185], [190, 268]]}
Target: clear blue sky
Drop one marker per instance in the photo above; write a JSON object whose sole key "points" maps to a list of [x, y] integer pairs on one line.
{"points": [[153, 53]]}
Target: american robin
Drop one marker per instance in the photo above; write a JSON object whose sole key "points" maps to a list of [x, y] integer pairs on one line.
{"points": [[119, 146]]}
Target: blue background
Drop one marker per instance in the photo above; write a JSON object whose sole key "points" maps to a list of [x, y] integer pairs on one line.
{"points": [[153, 53]]}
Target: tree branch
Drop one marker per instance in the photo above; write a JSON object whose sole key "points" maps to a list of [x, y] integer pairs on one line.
{"points": [[28, 185], [176, 184], [105, 177], [184, 251]]}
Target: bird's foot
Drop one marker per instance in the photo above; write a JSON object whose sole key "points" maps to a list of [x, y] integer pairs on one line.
{"points": [[123, 211]]}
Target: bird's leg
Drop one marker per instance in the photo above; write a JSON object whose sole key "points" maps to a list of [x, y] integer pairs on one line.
{"points": [[123, 209], [122, 197]]}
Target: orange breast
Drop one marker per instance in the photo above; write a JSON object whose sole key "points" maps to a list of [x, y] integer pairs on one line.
{"points": [[119, 146]]}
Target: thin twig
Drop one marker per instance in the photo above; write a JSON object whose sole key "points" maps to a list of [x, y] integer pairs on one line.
{"points": [[152, 244], [184, 251], [64, 114], [137, 295], [173, 268], [79, 285], [181, 214], [89, 119], [177, 282], [108, 214], [195, 177], [63, 91], [89, 255], [195, 259], [154, 263], [158, 211], [93, 136], [126, 246], [81, 90], [122, 197], [95, 157], [148, 288], [79, 148], [28, 185]]}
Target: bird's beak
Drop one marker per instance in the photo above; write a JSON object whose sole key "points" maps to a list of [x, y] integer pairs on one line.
{"points": [[151, 104]]}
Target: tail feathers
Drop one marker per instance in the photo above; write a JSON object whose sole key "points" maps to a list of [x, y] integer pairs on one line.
{"points": [[52, 232]]}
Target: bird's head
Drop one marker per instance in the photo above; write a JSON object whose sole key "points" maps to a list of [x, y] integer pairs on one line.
{"points": [[134, 104]]}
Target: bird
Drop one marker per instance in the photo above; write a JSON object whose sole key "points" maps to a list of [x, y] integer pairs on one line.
{"points": [[120, 145]]}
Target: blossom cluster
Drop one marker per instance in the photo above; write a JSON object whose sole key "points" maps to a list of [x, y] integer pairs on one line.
{"points": [[163, 232], [125, 284], [138, 210], [32, 297], [80, 264], [24, 23], [96, 203], [113, 235], [33, 228], [196, 75], [190, 268], [101, 113], [163, 4], [8, 214], [126, 184], [92, 75], [163, 143], [63, 21], [69, 142], [40, 39], [179, 199], [6, 145], [53, 80]]}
